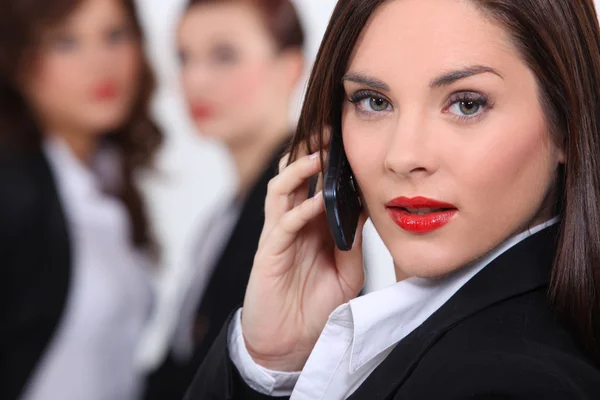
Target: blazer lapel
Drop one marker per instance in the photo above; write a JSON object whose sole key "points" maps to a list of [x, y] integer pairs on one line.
{"points": [[523, 268]]}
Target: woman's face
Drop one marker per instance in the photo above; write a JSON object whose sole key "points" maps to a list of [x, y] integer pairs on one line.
{"points": [[86, 73], [233, 79], [441, 106]]}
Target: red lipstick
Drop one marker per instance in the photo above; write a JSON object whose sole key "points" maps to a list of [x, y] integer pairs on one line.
{"points": [[420, 214], [201, 111], [105, 91]]}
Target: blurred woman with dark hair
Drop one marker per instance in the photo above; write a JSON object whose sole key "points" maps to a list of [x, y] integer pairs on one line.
{"points": [[241, 61], [471, 128], [75, 240]]}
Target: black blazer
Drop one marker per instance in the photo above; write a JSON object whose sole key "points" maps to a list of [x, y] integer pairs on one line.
{"points": [[495, 338], [35, 265], [224, 293]]}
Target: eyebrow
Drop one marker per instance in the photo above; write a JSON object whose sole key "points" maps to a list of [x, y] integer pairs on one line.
{"points": [[456, 75], [442, 80], [366, 80]]}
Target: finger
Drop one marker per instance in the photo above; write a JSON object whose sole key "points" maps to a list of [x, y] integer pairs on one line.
{"points": [[300, 194], [295, 175], [280, 192], [283, 192], [286, 231], [283, 162]]}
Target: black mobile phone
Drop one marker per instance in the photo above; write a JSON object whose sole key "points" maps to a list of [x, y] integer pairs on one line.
{"points": [[340, 192]]}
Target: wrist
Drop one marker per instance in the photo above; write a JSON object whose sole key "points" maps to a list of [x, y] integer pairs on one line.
{"points": [[291, 362]]}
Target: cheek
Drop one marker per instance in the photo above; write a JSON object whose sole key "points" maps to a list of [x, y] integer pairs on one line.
{"points": [[128, 68], [507, 176], [365, 147], [57, 80], [246, 85]]}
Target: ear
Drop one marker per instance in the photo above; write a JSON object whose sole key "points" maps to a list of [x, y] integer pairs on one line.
{"points": [[292, 66]]}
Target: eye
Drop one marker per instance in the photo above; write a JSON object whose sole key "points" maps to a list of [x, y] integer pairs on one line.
{"points": [[467, 105], [370, 102], [224, 54], [118, 35], [183, 57], [377, 104], [465, 108], [63, 42]]}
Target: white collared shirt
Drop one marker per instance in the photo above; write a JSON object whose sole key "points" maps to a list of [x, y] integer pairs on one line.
{"points": [[360, 334], [91, 355]]}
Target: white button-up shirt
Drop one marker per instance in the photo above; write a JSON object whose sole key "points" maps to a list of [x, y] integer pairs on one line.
{"points": [[360, 334], [91, 356]]}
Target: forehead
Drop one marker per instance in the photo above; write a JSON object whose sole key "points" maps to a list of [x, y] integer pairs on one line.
{"points": [[91, 13], [407, 38], [229, 20]]}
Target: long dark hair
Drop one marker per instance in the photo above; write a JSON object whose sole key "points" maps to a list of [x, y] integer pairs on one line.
{"points": [[280, 17], [21, 26], [560, 41]]}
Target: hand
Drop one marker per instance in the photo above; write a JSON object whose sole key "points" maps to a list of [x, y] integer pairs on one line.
{"points": [[299, 277]]}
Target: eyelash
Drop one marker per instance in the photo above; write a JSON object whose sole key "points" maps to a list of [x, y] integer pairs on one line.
{"points": [[479, 99], [357, 97]]}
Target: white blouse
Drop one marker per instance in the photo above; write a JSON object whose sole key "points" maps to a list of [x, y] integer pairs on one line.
{"points": [[91, 356]]}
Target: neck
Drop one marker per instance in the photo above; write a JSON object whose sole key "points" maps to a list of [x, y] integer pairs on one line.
{"points": [[400, 275], [251, 157], [82, 144]]}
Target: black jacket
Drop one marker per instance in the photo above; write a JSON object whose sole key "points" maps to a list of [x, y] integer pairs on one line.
{"points": [[495, 338], [35, 265], [224, 293]]}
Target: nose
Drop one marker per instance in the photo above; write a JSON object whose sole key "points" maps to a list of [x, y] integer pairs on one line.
{"points": [[411, 149], [102, 57], [196, 75]]}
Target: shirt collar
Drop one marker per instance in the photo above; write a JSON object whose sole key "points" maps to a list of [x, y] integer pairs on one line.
{"points": [[72, 174], [81, 180], [383, 318]]}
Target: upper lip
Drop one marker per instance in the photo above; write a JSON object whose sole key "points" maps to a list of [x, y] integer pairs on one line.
{"points": [[418, 202]]}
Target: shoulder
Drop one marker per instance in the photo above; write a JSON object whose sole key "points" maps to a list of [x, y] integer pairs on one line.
{"points": [[515, 348], [26, 186], [500, 374]]}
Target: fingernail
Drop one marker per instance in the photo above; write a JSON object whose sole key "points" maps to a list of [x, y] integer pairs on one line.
{"points": [[314, 155]]}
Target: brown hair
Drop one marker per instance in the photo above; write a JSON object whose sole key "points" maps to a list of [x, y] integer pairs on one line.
{"points": [[280, 16], [21, 25], [560, 41]]}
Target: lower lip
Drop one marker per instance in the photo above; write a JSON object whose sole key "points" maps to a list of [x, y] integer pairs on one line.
{"points": [[106, 92], [420, 223]]}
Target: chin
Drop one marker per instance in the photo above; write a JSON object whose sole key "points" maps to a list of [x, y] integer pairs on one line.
{"points": [[108, 122], [427, 260], [104, 127], [206, 129], [220, 134]]}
